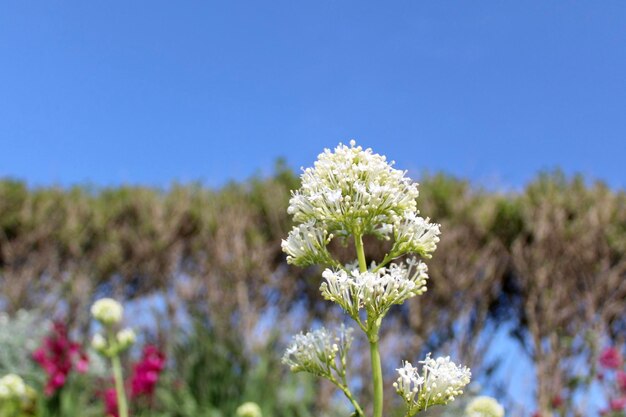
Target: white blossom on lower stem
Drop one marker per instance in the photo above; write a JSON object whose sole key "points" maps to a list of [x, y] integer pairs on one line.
{"points": [[306, 245], [375, 290], [439, 382], [319, 352]]}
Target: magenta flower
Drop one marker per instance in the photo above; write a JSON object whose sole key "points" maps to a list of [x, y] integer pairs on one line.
{"points": [[110, 402], [618, 404], [57, 356], [146, 372], [611, 358]]}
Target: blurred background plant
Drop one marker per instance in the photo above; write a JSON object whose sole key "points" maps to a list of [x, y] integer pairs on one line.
{"points": [[526, 288]]}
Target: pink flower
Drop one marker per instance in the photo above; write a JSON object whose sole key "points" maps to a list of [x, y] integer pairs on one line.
{"points": [[621, 381], [110, 402], [58, 355], [618, 404], [146, 372], [611, 358]]}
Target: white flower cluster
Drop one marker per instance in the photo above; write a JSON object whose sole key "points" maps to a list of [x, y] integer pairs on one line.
{"points": [[107, 311], [484, 407], [351, 188], [306, 245], [375, 290], [414, 234], [353, 191], [439, 383], [320, 352], [12, 387]]}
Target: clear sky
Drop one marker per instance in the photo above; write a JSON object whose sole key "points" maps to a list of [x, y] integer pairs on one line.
{"points": [[149, 92]]}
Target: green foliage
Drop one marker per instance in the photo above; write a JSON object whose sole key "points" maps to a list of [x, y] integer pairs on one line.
{"points": [[20, 335]]}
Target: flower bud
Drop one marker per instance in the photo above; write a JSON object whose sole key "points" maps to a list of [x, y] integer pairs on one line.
{"points": [[107, 311], [484, 407], [125, 338], [98, 343], [249, 409]]}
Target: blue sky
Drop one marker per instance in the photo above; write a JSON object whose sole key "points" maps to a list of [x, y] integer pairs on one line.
{"points": [[154, 91]]}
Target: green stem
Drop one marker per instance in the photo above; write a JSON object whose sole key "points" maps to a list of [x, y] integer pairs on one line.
{"points": [[360, 253], [122, 405], [377, 372], [377, 378], [355, 404]]}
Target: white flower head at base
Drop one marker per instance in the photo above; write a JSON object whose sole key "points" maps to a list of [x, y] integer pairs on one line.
{"points": [[375, 290], [320, 352], [12, 387], [484, 407], [439, 382], [107, 311], [352, 190]]}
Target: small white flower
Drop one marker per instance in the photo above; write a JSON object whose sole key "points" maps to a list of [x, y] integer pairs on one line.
{"points": [[306, 245], [107, 311], [414, 234], [377, 291], [249, 409], [484, 407], [319, 352], [125, 338], [98, 343], [439, 382]]}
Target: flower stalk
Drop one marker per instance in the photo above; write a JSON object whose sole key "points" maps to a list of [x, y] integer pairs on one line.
{"points": [[109, 313], [119, 386], [377, 372], [353, 192]]}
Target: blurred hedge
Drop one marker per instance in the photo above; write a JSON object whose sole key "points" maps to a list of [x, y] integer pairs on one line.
{"points": [[548, 260]]}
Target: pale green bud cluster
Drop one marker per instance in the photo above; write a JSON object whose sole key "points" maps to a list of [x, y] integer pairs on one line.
{"points": [[107, 311], [125, 338], [110, 313], [376, 290], [12, 386], [249, 409], [15, 395], [439, 383], [484, 407], [113, 346], [320, 352]]}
